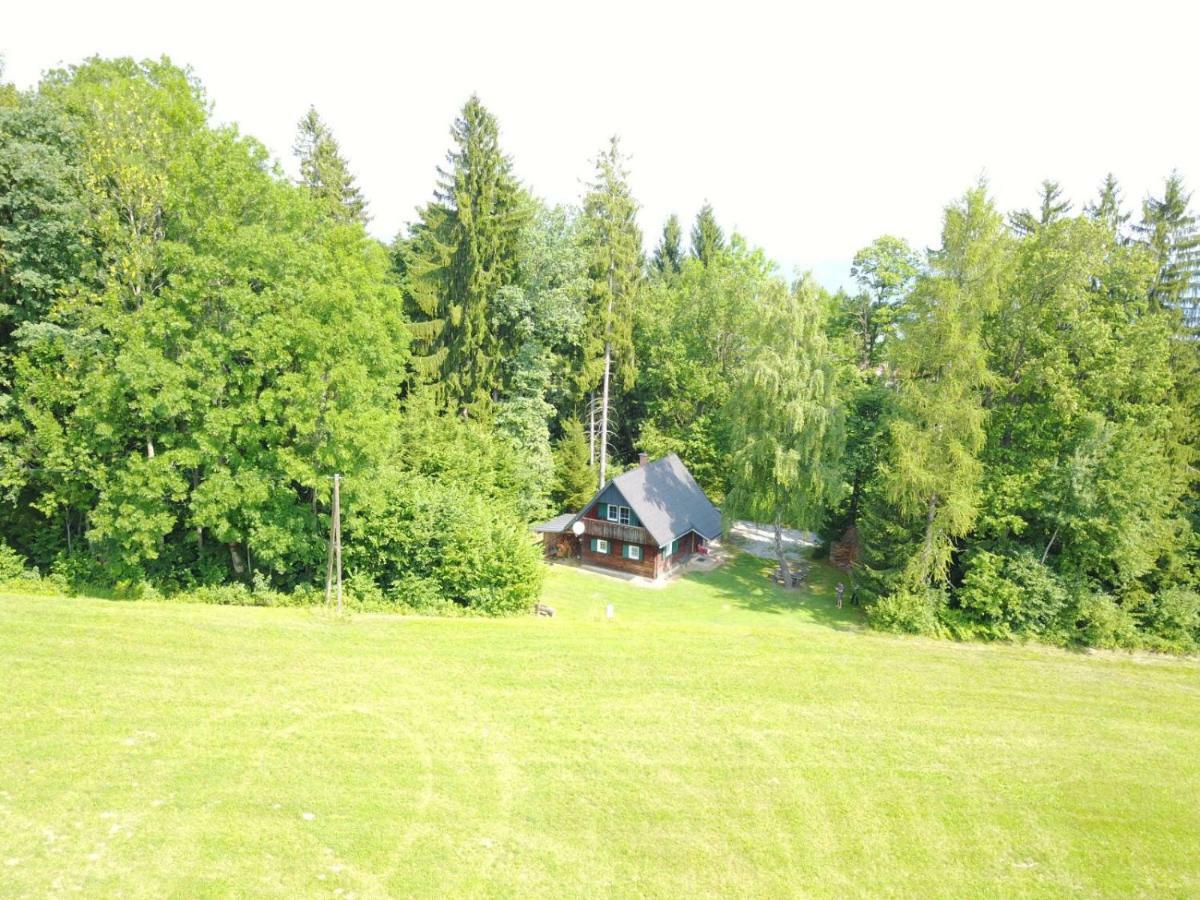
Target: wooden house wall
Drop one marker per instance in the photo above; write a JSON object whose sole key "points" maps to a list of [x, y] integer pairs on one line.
{"points": [[647, 566]]}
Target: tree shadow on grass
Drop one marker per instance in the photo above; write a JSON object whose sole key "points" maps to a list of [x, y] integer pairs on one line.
{"points": [[745, 583]]}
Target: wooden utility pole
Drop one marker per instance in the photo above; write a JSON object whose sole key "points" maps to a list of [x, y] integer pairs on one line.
{"points": [[335, 545]]}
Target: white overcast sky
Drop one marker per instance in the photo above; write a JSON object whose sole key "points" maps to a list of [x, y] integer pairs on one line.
{"points": [[811, 128]]}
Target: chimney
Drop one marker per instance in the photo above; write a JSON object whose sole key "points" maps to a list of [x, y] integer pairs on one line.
{"points": [[643, 458]]}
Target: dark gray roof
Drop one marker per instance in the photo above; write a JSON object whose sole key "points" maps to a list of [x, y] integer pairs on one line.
{"points": [[665, 497], [557, 524]]}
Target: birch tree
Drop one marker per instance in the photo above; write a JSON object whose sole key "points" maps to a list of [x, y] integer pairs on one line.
{"points": [[787, 417]]}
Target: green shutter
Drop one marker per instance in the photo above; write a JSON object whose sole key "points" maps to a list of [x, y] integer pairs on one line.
{"points": [[593, 545], [602, 510]]}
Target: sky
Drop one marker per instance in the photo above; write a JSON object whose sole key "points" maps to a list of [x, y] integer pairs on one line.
{"points": [[811, 128]]}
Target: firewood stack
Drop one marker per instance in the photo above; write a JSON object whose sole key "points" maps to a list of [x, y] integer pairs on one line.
{"points": [[847, 551]]}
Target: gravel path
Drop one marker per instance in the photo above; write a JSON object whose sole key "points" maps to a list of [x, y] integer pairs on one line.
{"points": [[759, 540]]}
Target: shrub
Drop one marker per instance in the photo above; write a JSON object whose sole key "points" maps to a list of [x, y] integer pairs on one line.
{"points": [[426, 543], [1102, 622], [1174, 616], [1006, 595], [909, 611], [79, 571], [12, 563]]}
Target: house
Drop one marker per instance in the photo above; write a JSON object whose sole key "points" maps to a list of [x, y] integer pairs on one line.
{"points": [[646, 521]]}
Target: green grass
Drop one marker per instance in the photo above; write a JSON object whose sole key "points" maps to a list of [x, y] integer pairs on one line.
{"points": [[720, 736]]}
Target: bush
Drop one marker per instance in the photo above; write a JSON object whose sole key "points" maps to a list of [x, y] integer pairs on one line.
{"points": [[427, 544], [1175, 617], [909, 611], [1102, 622], [79, 571], [1004, 595], [12, 563]]}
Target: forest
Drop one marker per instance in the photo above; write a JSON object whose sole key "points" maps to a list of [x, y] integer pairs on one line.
{"points": [[192, 344]]}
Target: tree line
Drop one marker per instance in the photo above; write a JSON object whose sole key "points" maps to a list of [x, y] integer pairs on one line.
{"points": [[191, 344]]}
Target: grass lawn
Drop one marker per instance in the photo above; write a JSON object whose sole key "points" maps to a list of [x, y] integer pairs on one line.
{"points": [[720, 736]]}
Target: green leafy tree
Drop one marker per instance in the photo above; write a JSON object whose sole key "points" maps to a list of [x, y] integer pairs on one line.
{"points": [[884, 271], [691, 338], [707, 237], [325, 172], [543, 316], [184, 406], [787, 418]]}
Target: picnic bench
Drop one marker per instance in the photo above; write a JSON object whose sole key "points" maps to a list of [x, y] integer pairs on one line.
{"points": [[796, 577]]}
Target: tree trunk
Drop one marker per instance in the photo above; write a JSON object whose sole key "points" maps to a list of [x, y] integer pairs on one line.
{"points": [[235, 558], [592, 429], [1053, 538], [855, 495], [927, 547], [604, 413], [785, 573]]}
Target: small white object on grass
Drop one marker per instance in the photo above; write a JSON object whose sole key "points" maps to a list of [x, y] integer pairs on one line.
{"points": [[608, 611], [307, 817]]}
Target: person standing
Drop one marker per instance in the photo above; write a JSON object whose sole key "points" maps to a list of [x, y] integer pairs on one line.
{"points": [[841, 589]]}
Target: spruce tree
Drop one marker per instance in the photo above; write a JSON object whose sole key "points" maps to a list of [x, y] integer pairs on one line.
{"points": [[668, 255], [325, 171], [1170, 230], [707, 238], [573, 478], [459, 256], [1053, 208], [1108, 208], [614, 244]]}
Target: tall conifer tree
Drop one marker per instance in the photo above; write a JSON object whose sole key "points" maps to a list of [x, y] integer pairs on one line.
{"points": [[668, 255], [707, 237], [1108, 206], [1053, 208], [614, 244], [325, 171], [1170, 230], [460, 255]]}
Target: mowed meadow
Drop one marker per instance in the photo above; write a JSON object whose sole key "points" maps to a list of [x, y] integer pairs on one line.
{"points": [[718, 736]]}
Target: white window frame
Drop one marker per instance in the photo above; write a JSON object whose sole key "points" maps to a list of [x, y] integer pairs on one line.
{"points": [[633, 552], [601, 545], [622, 515]]}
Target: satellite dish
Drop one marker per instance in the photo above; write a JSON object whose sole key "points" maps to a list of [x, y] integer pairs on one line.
{"points": [[577, 528]]}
